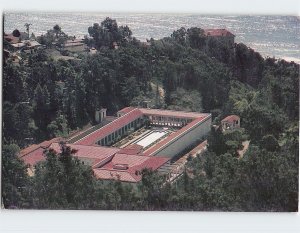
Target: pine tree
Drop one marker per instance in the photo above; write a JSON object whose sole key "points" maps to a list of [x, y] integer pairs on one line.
{"points": [[41, 109], [15, 181], [63, 181]]}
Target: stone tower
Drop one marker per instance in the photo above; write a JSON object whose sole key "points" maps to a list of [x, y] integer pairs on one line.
{"points": [[100, 115]]}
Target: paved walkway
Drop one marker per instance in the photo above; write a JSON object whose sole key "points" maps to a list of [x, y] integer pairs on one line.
{"points": [[178, 167], [243, 151]]}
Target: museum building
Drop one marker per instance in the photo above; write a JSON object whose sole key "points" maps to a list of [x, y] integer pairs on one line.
{"points": [[159, 136]]}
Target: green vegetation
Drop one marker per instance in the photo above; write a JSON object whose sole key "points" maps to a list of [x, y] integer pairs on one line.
{"points": [[45, 98], [226, 142], [55, 35], [63, 174], [108, 34], [15, 181]]}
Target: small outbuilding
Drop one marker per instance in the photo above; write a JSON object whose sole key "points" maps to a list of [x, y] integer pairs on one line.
{"points": [[230, 122], [75, 45]]}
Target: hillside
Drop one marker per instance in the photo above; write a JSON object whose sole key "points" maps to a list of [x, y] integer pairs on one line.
{"points": [[44, 98]]}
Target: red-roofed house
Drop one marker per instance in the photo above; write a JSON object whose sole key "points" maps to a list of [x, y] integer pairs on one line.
{"points": [[17, 43], [221, 34], [230, 122], [11, 39]]}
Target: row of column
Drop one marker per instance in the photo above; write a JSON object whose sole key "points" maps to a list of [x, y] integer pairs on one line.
{"points": [[169, 121], [118, 134]]}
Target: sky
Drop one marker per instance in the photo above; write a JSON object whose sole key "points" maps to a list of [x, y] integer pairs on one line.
{"points": [[286, 7]]}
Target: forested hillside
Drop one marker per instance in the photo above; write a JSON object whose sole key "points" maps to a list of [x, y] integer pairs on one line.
{"points": [[45, 98]]}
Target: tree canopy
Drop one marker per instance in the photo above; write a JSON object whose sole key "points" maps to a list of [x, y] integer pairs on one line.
{"points": [[45, 98]]}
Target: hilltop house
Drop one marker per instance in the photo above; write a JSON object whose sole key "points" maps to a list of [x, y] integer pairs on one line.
{"points": [[27, 46], [31, 46], [10, 38], [222, 34]]}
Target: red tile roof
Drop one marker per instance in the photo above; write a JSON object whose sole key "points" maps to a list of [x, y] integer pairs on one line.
{"points": [[46, 144], [113, 126], [171, 113], [132, 149], [217, 32], [88, 151], [94, 154], [28, 150], [153, 162], [11, 39], [130, 160], [126, 110], [114, 175], [231, 118], [116, 168], [199, 148], [152, 150], [34, 157], [114, 163], [106, 162], [34, 149]]}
